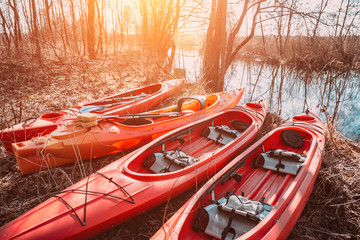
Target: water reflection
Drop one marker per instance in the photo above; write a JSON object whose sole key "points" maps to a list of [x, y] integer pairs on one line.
{"points": [[335, 94]]}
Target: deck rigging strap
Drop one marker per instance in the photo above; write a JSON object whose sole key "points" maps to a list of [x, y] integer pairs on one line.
{"points": [[86, 191]]}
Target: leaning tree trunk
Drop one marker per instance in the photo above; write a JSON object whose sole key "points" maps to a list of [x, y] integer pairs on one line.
{"points": [[215, 46], [220, 48]]}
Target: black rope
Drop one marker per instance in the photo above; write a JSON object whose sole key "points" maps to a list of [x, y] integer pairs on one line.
{"points": [[86, 191]]}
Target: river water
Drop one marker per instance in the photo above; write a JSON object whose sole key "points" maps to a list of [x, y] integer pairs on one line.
{"points": [[335, 95]]}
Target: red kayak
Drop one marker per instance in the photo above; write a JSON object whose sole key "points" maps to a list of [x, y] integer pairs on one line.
{"points": [[146, 177], [135, 101], [261, 193], [90, 136]]}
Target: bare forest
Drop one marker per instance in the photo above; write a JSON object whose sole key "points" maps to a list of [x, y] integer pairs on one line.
{"points": [[56, 54]]}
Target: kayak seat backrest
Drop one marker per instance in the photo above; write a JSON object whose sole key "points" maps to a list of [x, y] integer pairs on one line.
{"points": [[231, 216], [200, 100], [136, 121], [240, 126], [169, 161], [221, 134], [292, 138], [211, 100], [280, 161]]}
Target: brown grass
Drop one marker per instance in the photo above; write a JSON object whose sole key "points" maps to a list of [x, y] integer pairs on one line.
{"points": [[332, 210]]}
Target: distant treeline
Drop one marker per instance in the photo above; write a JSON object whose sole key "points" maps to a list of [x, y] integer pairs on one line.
{"points": [[305, 52], [315, 34]]}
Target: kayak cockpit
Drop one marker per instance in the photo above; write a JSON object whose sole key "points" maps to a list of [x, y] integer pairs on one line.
{"points": [[128, 96], [185, 107], [188, 148], [253, 188]]}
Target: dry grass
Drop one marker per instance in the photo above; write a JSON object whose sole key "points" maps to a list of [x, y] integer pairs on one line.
{"points": [[331, 213]]}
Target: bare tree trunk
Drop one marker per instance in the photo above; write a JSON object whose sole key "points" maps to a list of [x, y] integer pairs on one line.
{"points": [[219, 49], [100, 16], [27, 14], [36, 38], [73, 25], [83, 25], [173, 30], [212, 49], [63, 21], [17, 29], [91, 29], [159, 23], [48, 19], [5, 28], [323, 5]]}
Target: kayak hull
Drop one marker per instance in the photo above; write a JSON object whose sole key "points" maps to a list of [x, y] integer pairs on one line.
{"points": [[46, 123], [286, 193], [69, 143], [126, 188]]}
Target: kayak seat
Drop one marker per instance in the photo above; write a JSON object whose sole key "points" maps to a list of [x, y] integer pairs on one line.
{"points": [[221, 134], [240, 126], [231, 216], [168, 161], [292, 138], [280, 161], [136, 121], [200, 99]]}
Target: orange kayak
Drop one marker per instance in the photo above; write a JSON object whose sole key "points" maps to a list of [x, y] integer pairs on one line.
{"points": [[146, 177], [92, 136], [135, 101], [261, 193]]}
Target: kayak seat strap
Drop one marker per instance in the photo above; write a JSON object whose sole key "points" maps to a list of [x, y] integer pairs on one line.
{"points": [[280, 161], [169, 161], [231, 216], [221, 134]]}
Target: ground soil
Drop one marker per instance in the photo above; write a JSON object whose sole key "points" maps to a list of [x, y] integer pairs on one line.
{"points": [[29, 89]]}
